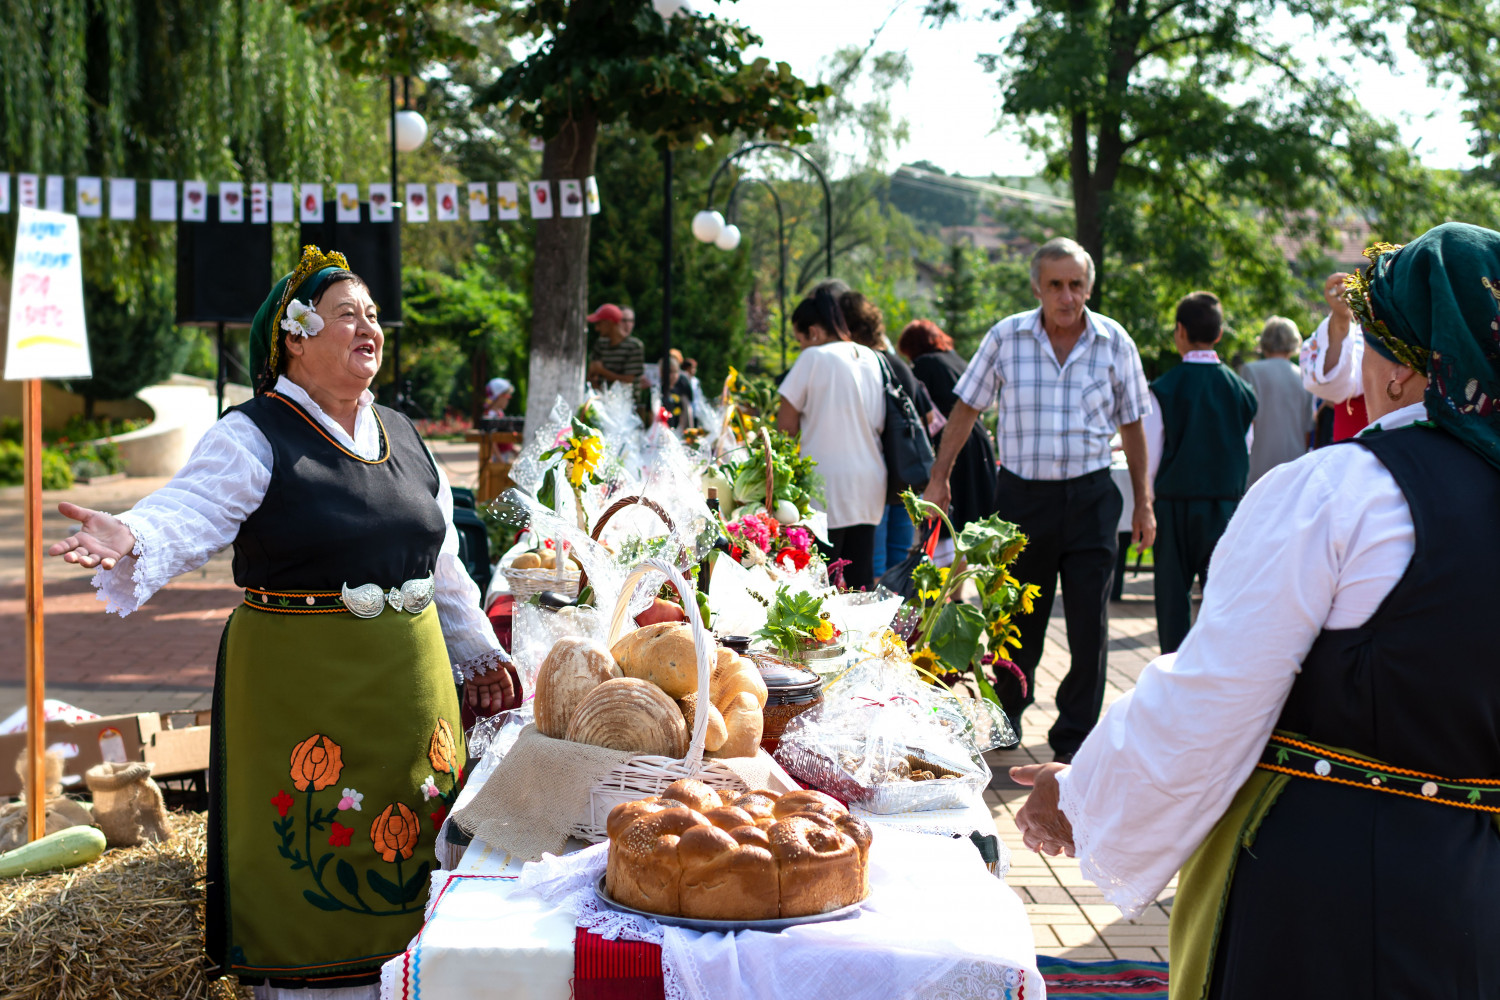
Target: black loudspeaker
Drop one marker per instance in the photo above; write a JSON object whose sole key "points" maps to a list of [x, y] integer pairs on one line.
{"points": [[373, 250], [223, 269]]}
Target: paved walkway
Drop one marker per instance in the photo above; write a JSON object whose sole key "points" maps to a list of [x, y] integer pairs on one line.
{"points": [[1068, 913], [162, 658]]}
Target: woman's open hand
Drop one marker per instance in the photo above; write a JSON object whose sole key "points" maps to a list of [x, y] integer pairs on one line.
{"points": [[1043, 826], [102, 539], [496, 691]]}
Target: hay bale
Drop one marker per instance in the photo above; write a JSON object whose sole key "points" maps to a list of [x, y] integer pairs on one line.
{"points": [[127, 926]]}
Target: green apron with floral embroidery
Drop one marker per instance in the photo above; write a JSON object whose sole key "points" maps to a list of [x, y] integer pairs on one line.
{"points": [[337, 755]]}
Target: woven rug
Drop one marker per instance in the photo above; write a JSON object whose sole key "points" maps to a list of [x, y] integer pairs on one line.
{"points": [[1103, 980]]}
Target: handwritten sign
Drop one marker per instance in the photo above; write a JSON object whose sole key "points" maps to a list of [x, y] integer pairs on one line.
{"points": [[47, 337]]}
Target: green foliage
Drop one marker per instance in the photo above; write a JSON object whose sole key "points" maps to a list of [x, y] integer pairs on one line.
{"points": [[379, 38], [619, 61], [792, 620], [1191, 135], [56, 474], [219, 89], [709, 287]]}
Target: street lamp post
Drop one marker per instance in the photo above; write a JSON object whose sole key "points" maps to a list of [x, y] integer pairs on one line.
{"points": [[408, 132], [731, 228], [709, 224]]}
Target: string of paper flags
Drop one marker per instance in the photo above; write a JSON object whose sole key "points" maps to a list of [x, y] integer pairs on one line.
{"points": [[283, 202]]}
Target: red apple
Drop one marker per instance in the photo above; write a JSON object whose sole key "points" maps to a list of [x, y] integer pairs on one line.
{"points": [[541, 195], [660, 611], [231, 197]]}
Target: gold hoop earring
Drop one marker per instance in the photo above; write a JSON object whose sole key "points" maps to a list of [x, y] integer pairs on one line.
{"points": [[1393, 396]]}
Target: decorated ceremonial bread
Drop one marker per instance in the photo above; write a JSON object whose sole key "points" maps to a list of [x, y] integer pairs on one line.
{"points": [[710, 855], [659, 705]]}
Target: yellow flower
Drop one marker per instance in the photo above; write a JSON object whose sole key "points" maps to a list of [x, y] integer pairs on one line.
{"points": [[1029, 594], [1011, 581], [926, 659], [732, 380], [824, 631], [583, 454]]}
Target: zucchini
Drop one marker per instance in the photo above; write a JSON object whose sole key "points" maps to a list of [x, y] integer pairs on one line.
{"points": [[77, 845]]}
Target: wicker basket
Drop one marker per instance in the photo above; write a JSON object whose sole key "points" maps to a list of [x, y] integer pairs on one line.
{"points": [[650, 774], [614, 509], [527, 583]]}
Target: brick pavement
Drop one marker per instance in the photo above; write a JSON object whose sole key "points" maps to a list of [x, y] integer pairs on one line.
{"points": [[162, 658], [1068, 913]]}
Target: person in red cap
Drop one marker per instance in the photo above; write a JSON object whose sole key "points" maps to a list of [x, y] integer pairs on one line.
{"points": [[618, 357]]}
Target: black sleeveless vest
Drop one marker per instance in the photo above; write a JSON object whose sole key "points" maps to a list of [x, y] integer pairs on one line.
{"points": [[1417, 685], [331, 518]]}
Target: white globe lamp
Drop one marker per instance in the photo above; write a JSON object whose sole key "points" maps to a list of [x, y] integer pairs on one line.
{"points": [[729, 238], [411, 130], [671, 8], [707, 225]]}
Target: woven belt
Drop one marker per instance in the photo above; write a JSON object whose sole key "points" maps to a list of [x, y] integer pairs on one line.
{"points": [[1309, 760], [366, 601]]}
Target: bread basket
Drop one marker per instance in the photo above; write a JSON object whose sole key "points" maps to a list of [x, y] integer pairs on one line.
{"points": [[527, 583], [650, 774]]}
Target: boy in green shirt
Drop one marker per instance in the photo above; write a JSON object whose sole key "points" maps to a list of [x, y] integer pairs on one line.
{"points": [[1206, 411]]}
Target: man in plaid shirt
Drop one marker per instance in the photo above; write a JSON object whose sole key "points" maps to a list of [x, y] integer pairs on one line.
{"points": [[1065, 379]]}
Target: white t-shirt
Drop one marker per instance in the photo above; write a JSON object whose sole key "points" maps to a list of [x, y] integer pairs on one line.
{"points": [[838, 389]]}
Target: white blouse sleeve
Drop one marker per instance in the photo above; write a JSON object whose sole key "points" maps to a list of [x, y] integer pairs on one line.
{"points": [[199, 512], [1316, 543], [1344, 381], [467, 632]]}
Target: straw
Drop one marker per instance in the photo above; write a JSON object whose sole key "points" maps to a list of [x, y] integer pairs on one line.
{"points": [[127, 926]]}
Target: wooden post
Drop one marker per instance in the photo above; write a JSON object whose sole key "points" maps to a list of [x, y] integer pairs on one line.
{"points": [[36, 725]]}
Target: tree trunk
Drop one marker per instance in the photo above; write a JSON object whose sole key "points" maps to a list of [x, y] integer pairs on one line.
{"points": [[560, 283], [1088, 218]]}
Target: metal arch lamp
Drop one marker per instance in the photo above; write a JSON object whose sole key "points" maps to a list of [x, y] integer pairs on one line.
{"points": [[408, 132], [729, 238], [709, 225]]}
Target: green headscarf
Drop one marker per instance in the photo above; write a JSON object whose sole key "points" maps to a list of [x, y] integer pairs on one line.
{"points": [[312, 273], [1434, 306]]}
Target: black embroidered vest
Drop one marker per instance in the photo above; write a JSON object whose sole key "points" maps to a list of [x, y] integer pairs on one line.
{"points": [[331, 518], [1417, 685]]}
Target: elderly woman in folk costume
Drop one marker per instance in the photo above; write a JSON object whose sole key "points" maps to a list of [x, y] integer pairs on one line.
{"points": [[1320, 757], [337, 746]]}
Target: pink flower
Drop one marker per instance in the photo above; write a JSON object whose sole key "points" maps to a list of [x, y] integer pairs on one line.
{"points": [[351, 800], [430, 788], [799, 538]]}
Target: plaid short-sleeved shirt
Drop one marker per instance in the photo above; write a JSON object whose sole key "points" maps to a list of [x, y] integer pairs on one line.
{"points": [[1056, 421]]}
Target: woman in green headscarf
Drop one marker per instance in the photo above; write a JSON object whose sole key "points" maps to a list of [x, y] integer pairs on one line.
{"points": [[1322, 756], [337, 747]]}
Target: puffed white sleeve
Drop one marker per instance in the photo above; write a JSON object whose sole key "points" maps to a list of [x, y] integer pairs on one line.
{"points": [[178, 527], [467, 632], [1343, 382], [1164, 764]]}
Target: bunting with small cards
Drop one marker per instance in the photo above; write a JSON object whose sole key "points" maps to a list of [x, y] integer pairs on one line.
{"points": [[260, 203]]}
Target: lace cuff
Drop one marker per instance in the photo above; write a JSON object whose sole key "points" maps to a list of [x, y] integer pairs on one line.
{"points": [[132, 582], [1123, 893], [482, 664]]}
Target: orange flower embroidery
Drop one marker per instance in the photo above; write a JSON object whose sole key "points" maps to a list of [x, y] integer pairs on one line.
{"points": [[316, 761], [395, 831], [442, 751]]}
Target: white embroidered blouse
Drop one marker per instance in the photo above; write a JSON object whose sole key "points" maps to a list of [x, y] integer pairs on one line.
{"points": [[200, 511], [1316, 543]]}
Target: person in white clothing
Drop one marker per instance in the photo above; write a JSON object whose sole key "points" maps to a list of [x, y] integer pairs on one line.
{"points": [[834, 396], [1319, 758], [1331, 361]]}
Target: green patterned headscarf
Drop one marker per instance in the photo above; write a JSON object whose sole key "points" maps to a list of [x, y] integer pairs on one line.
{"points": [[311, 275], [1434, 306]]}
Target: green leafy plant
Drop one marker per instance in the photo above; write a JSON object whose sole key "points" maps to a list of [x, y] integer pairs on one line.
{"points": [[796, 620], [953, 637]]}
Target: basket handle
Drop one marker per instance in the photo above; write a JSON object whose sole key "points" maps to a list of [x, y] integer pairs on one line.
{"points": [[770, 475], [615, 508], [702, 644]]}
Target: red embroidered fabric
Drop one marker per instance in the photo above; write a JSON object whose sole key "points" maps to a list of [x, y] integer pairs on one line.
{"points": [[615, 970]]}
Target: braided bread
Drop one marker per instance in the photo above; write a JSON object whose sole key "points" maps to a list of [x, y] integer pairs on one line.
{"points": [[695, 852]]}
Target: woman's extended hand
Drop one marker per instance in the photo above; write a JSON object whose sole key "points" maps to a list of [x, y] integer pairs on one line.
{"points": [[1043, 826], [102, 540], [496, 691]]}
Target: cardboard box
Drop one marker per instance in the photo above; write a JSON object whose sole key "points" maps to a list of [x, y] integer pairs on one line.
{"points": [[178, 751], [115, 737]]}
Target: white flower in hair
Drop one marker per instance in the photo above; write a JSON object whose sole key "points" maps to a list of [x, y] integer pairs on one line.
{"points": [[301, 320]]}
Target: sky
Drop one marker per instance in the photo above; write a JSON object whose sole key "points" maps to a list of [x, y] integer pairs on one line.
{"points": [[953, 107]]}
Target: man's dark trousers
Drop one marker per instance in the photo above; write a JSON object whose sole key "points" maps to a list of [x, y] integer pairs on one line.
{"points": [[1186, 533], [1071, 526]]}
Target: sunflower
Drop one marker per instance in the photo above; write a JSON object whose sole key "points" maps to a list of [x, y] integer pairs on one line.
{"points": [[1029, 594], [583, 452], [926, 659]]}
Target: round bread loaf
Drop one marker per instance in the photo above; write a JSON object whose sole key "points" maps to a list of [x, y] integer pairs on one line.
{"points": [[573, 668], [715, 735], [663, 654], [631, 715], [712, 855]]}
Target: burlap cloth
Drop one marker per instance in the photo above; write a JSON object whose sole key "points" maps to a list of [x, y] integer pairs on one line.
{"points": [[540, 792]]}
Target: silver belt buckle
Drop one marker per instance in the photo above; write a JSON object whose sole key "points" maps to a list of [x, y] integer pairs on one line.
{"points": [[368, 600]]}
